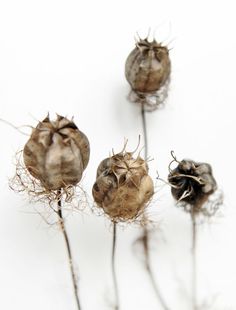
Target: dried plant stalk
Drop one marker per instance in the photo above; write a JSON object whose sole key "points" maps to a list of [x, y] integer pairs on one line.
{"points": [[55, 158], [147, 70], [194, 260], [145, 237], [191, 185], [122, 189], [69, 252], [114, 276]]}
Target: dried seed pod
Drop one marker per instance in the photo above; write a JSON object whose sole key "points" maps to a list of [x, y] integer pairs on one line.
{"points": [[192, 182], [123, 186], [147, 70], [56, 153]]}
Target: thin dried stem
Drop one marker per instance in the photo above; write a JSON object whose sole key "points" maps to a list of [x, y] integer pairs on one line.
{"points": [[145, 238], [194, 265], [72, 269], [15, 127], [144, 132], [149, 270], [116, 290]]}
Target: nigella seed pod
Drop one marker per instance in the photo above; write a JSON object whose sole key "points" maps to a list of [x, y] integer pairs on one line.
{"points": [[123, 186], [192, 182], [147, 70], [147, 66], [55, 157], [57, 153]]}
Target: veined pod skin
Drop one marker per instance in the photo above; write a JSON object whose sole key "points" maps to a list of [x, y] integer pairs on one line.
{"points": [[123, 186], [57, 153], [148, 66]]}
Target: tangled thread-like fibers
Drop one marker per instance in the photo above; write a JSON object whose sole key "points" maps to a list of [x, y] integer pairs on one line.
{"points": [[209, 209], [24, 182], [151, 101], [138, 220]]}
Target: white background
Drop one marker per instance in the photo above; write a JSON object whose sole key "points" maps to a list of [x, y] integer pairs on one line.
{"points": [[68, 57]]}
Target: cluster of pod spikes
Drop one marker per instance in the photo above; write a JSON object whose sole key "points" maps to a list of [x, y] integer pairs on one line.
{"points": [[57, 153]]}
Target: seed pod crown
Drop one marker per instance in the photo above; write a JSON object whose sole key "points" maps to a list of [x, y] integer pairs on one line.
{"points": [[148, 66], [56, 153], [192, 182], [123, 186]]}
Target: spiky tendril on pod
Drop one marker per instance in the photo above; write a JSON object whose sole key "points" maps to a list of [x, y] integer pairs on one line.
{"points": [[192, 183], [147, 70], [123, 186]]}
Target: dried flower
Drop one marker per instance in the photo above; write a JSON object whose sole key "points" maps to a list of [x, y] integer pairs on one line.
{"points": [[192, 182], [147, 70], [56, 153], [55, 157], [123, 186]]}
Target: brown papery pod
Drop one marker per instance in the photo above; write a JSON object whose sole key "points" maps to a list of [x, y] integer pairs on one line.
{"points": [[55, 158], [57, 153], [123, 186], [147, 70]]}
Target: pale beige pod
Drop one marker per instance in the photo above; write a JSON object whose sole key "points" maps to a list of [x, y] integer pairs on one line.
{"points": [[57, 153], [148, 66], [123, 186]]}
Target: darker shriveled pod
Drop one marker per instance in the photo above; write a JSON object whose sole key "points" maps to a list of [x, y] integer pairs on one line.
{"points": [[192, 182], [56, 153], [123, 186]]}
